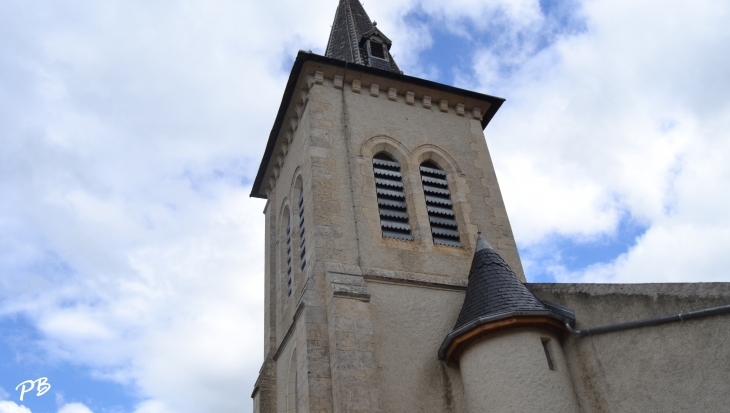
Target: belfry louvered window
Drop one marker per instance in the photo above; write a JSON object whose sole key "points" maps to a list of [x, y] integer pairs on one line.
{"points": [[441, 215], [391, 198], [288, 258], [377, 50], [302, 238]]}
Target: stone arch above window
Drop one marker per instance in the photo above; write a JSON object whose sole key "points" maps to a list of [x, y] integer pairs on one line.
{"points": [[441, 216], [382, 143], [393, 211], [440, 157]]}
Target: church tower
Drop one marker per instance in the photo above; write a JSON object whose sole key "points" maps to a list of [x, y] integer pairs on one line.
{"points": [[377, 185]]}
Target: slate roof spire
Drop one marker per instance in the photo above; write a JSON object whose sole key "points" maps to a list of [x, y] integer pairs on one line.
{"points": [[495, 293], [493, 288], [355, 38]]}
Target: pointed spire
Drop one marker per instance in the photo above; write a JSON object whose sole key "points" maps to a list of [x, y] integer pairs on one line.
{"points": [[494, 293], [493, 288], [352, 35], [482, 243]]}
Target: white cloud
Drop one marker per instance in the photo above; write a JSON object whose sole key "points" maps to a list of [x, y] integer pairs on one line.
{"points": [[517, 14], [74, 408], [126, 234], [10, 407], [151, 406], [127, 237], [630, 116]]}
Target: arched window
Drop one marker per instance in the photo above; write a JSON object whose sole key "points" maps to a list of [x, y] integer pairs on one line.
{"points": [[302, 232], [287, 235], [299, 232], [391, 198], [444, 228]]}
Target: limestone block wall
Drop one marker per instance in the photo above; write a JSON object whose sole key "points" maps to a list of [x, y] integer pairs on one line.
{"points": [[366, 316], [676, 367], [409, 324], [270, 282], [373, 119], [325, 149], [300, 353], [355, 382], [294, 176]]}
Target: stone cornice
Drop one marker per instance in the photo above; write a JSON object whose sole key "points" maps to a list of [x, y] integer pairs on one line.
{"points": [[310, 69], [414, 279]]}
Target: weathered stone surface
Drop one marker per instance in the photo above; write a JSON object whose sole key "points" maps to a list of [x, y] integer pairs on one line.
{"points": [[508, 372], [333, 332], [366, 316], [409, 324], [677, 367]]}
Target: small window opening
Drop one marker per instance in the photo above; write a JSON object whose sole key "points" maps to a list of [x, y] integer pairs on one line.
{"points": [[545, 347], [377, 50], [444, 229], [391, 198], [302, 238]]}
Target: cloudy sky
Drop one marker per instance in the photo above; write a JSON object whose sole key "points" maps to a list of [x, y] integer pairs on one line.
{"points": [[131, 258]]}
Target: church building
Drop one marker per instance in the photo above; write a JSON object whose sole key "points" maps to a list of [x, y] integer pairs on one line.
{"points": [[393, 282]]}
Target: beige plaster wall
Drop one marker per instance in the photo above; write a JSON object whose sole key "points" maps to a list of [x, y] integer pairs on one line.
{"points": [[509, 372], [677, 367], [409, 324]]}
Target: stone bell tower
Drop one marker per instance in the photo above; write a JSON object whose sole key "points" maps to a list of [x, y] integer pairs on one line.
{"points": [[377, 184]]}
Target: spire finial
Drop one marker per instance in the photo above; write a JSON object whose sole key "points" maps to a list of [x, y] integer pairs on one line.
{"points": [[482, 243]]}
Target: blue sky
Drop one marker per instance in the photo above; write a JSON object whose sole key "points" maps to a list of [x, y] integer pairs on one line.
{"points": [[131, 257]]}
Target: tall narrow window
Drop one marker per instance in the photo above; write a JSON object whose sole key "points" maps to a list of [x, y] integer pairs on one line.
{"points": [[302, 239], [391, 198], [546, 347], [441, 215], [288, 257]]}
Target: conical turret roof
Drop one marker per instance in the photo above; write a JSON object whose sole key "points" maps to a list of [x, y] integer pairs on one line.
{"points": [[494, 293], [351, 30], [493, 288]]}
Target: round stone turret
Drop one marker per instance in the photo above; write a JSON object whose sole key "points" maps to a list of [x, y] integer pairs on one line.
{"points": [[507, 343]]}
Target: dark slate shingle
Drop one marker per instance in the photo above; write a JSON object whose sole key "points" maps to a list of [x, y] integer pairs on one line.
{"points": [[351, 25], [494, 293], [493, 288]]}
